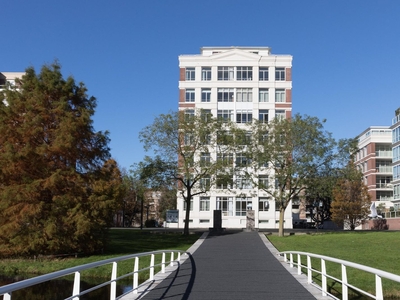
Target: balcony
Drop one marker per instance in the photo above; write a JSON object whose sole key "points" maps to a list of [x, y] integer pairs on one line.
{"points": [[384, 169], [383, 185], [383, 154]]}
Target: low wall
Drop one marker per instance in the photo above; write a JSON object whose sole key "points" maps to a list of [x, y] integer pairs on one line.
{"points": [[393, 223]]}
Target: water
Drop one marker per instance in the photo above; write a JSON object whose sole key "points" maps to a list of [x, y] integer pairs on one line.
{"points": [[62, 288]]}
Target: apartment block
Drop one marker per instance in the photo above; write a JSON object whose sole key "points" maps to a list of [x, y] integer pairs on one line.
{"points": [[374, 160], [240, 84], [9, 77], [396, 159]]}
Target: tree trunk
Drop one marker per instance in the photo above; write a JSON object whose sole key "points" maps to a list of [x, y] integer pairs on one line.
{"points": [[187, 216], [281, 221]]}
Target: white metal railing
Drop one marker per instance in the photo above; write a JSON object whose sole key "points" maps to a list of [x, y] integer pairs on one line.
{"points": [[379, 274], [7, 290]]}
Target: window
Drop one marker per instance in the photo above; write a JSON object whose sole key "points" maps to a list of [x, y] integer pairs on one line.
{"points": [[263, 74], [185, 205], [225, 158], [263, 182], [280, 114], [190, 74], [244, 73], [205, 138], [224, 182], [263, 95], [280, 95], [205, 183], [205, 114], [188, 139], [242, 205], [205, 159], [204, 203], [224, 138], [189, 95], [263, 204], [225, 204], [225, 73], [280, 74], [244, 116], [263, 115], [205, 95], [244, 138], [243, 183], [225, 115], [206, 73], [189, 114], [242, 160], [244, 95], [225, 95]]}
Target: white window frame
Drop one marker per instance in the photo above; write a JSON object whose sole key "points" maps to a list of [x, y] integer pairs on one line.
{"points": [[226, 73], [190, 95], [225, 204], [205, 95], [263, 95], [244, 73], [190, 74], [244, 95], [280, 95], [263, 115], [204, 203], [225, 94], [263, 74], [244, 116], [280, 74], [206, 73]]}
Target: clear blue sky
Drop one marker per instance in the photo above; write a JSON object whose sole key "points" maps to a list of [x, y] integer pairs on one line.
{"points": [[346, 63]]}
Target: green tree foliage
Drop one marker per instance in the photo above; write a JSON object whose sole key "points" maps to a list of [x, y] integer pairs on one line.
{"points": [[290, 152], [351, 200], [183, 144], [58, 187]]}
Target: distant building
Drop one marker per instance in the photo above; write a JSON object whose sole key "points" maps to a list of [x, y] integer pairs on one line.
{"points": [[396, 159], [374, 160], [9, 77], [239, 84]]}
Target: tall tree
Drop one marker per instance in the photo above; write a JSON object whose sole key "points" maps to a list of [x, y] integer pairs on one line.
{"points": [[288, 152], [57, 184], [183, 143], [351, 200]]}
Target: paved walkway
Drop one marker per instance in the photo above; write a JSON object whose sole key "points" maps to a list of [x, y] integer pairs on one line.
{"points": [[233, 265]]}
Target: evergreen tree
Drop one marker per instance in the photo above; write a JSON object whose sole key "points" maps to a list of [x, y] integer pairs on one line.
{"points": [[57, 184]]}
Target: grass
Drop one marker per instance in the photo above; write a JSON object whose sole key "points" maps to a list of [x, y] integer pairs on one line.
{"points": [[122, 242], [377, 249]]}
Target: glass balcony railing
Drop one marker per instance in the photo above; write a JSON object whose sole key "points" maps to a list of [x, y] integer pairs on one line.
{"points": [[387, 154], [384, 169]]}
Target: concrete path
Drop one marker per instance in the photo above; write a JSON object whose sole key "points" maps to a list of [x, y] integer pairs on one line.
{"points": [[233, 265]]}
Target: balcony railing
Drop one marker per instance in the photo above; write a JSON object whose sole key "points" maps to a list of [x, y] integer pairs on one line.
{"points": [[384, 169], [383, 185], [383, 153]]}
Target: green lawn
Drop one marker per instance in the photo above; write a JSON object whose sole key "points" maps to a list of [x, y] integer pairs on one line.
{"points": [[122, 242], [377, 249]]}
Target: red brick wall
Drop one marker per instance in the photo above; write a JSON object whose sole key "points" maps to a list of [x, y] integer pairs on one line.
{"points": [[288, 74], [289, 95], [182, 74]]}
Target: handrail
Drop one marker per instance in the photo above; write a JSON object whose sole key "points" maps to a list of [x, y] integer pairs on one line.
{"points": [[379, 274], [76, 293]]}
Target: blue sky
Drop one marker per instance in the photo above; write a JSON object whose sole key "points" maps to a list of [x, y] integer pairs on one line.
{"points": [[345, 54]]}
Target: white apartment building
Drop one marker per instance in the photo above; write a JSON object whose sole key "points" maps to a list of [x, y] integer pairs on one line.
{"points": [[239, 83], [396, 159], [374, 160], [9, 77]]}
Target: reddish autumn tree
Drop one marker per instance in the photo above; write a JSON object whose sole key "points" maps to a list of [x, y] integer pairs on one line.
{"points": [[57, 184]]}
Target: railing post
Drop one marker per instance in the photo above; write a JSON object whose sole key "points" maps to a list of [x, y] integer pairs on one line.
{"points": [[345, 289], [309, 270], [136, 275], [298, 264], [113, 286], [172, 259], [323, 273], [284, 257], [179, 256], [378, 288], [152, 267], [77, 285], [163, 263], [291, 260], [7, 296]]}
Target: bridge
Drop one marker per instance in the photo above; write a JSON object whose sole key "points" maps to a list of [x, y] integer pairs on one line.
{"points": [[228, 265]]}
